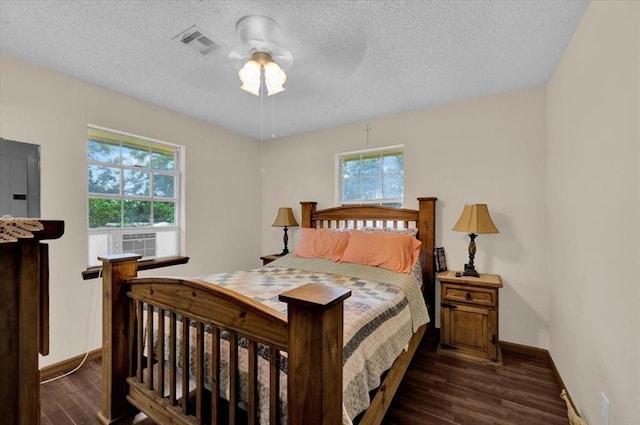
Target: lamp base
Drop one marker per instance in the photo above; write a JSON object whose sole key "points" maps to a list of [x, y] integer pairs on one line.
{"points": [[285, 251], [470, 271], [469, 268]]}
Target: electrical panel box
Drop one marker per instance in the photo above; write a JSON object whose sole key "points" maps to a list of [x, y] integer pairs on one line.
{"points": [[19, 179]]}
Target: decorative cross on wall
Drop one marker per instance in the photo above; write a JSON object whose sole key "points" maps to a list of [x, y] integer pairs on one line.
{"points": [[367, 129]]}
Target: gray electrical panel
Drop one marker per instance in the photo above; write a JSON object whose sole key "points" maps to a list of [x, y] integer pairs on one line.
{"points": [[19, 179]]}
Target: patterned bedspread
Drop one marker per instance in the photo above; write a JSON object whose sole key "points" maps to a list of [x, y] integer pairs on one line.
{"points": [[384, 310]]}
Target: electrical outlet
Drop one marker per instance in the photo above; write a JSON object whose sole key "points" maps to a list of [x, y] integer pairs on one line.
{"points": [[604, 409]]}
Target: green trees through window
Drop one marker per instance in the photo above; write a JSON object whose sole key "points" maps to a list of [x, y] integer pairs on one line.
{"points": [[131, 182], [372, 177]]}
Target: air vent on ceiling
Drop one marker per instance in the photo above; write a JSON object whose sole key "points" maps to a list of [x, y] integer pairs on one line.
{"points": [[197, 40]]}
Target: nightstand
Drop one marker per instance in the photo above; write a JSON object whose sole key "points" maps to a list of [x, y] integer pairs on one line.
{"points": [[266, 259], [469, 316]]}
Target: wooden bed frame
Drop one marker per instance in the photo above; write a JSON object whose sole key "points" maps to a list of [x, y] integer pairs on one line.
{"points": [[311, 334]]}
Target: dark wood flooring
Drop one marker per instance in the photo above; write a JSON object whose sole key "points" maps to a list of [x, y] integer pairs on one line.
{"points": [[442, 390], [437, 390]]}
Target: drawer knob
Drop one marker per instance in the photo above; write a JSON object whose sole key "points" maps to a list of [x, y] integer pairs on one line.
{"points": [[468, 296]]}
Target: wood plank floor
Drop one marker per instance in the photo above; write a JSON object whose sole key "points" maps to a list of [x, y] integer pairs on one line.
{"points": [[437, 390], [442, 390]]}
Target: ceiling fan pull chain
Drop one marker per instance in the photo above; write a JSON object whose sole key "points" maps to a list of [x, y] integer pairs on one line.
{"points": [[273, 117], [261, 129]]}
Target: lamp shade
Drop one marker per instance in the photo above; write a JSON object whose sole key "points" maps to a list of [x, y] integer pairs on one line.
{"points": [[274, 78], [285, 218], [475, 219], [250, 77]]}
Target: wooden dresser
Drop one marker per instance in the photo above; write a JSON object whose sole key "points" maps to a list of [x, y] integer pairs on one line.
{"points": [[469, 316], [24, 321]]}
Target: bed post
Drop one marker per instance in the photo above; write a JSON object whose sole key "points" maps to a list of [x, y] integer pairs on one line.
{"points": [[308, 208], [116, 354], [427, 231], [315, 354]]}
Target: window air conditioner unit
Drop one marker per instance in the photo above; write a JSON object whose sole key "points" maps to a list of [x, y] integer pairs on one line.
{"points": [[143, 244]]}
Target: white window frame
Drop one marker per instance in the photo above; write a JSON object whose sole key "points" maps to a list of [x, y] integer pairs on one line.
{"points": [[366, 201], [119, 232]]}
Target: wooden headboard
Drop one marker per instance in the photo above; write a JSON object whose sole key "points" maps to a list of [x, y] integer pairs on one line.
{"points": [[356, 216]]}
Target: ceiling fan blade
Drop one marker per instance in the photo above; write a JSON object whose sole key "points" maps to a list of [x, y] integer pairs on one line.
{"points": [[283, 57], [324, 65], [239, 55]]}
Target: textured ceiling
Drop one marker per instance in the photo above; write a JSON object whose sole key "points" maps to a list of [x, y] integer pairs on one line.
{"points": [[353, 60]]}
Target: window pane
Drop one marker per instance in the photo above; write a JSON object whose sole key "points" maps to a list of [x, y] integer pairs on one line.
{"points": [[372, 187], [104, 179], [371, 166], [137, 156], [351, 188], [163, 185], [104, 213], [136, 183], [350, 169], [372, 176], [164, 213], [393, 186], [137, 213], [163, 161], [101, 151], [393, 164]]}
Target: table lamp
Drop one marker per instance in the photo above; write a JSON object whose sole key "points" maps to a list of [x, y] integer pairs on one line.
{"points": [[475, 220], [285, 219]]}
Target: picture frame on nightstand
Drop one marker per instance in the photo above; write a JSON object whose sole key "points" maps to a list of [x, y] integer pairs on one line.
{"points": [[440, 259]]}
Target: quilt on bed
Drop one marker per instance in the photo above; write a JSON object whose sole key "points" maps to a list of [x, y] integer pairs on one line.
{"points": [[384, 310]]}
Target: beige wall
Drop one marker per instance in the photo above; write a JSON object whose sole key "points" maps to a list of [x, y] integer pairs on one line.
{"points": [[222, 186], [594, 209], [484, 150]]}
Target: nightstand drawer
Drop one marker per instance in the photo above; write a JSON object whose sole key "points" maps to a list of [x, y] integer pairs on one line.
{"points": [[464, 294]]}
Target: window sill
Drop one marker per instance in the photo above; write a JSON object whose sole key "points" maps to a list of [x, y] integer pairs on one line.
{"points": [[94, 272]]}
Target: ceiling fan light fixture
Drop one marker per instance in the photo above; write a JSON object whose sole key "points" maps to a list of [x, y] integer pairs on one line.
{"points": [[251, 75]]}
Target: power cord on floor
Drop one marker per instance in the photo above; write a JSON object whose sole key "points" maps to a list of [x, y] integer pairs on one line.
{"points": [[94, 300]]}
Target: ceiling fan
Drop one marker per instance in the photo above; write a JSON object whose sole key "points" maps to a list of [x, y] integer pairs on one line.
{"points": [[261, 55], [321, 60]]}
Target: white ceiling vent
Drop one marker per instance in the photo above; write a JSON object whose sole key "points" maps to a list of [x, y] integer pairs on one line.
{"points": [[197, 40]]}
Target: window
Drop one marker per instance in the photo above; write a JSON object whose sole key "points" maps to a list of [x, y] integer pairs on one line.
{"points": [[133, 187], [374, 177]]}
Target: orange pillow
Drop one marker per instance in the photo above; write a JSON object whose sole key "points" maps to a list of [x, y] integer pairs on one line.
{"points": [[321, 243], [391, 251]]}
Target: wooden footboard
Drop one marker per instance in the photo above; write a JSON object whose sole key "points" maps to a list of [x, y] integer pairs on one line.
{"points": [[311, 334]]}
